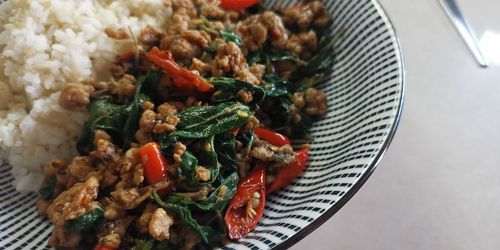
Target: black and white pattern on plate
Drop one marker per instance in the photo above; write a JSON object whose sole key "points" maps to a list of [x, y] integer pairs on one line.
{"points": [[365, 91]]}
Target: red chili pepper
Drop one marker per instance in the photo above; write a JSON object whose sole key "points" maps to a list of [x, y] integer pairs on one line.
{"points": [[237, 4], [285, 175], [153, 162], [272, 137], [102, 247], [183, 79], [244, 212]]}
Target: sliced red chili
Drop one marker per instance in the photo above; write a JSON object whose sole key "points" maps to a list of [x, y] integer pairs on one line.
{"points": [[237, 4], [272, 137], [153, 162], [285, 175], [183, 79], [247, 205]]}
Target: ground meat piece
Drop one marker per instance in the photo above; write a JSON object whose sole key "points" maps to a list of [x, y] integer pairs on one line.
{"points": [[179, 150], [132, 177], [148, 105], [53, 167], [41, 206], [117, 34], [126, 87], [113, 212], [181, 7], [252, 123], [80, 167], [146, 125], [200, 38], [229, 59], [150, 36], [202, 174], [264, 151], [245, 96], [133, 197], [212, 11], [244, 74], [253, 33], [75, 96], [182, 50], [167, 117], [303, 16], [106, 151], [142, 223], [277, 32], [298, 100], [61, 238], [316, 102], [303, 45], [75, 202], [258, 70], [159, 225], [109, 178], [112, 232], [199, 66], [178, 24], [147, 120], [101, 135]]}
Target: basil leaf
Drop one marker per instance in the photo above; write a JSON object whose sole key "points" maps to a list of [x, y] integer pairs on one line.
{"points": [[231, 36], [104, 115], [247, 139], [134, 114], [206, 121], [47, 191], [217, 200], [226, 89], [187, 168], [275, 86], [206, 232], [226, 152], [86, 222], [143, 245], [271, 55]]}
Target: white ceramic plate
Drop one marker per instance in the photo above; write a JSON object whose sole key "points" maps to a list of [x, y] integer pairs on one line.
{"points": [[365, 90]]}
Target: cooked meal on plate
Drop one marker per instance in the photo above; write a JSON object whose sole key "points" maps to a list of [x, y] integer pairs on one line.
{"points": [[159, 124]]}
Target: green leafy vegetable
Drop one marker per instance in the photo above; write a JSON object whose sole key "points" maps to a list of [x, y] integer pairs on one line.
{"points": [[226, 89], [184, 213], [206, 121], [226, 152], [217, 200], [275, 86], [208, 156], [271, 55], [47, 191], [104, 115], [134, 113], [230, 36], [247, 139], [86, 222], [143, 245]]}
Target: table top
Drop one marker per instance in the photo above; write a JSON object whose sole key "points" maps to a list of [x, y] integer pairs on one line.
{"points": [[438, 186]]}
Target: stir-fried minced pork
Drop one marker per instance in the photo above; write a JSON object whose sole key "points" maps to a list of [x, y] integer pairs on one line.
{"points": [[196, 110]]}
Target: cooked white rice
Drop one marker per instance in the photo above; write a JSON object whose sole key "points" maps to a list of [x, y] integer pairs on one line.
{"points": [[44, 45]]}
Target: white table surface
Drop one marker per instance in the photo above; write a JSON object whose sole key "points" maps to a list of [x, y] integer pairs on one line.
{"points": [[438, 186]]}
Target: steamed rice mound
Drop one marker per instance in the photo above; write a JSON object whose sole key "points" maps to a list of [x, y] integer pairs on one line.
{"points": [[44, 45]]}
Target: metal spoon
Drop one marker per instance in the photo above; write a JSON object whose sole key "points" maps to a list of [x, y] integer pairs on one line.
{"points": [[465, 30]]}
